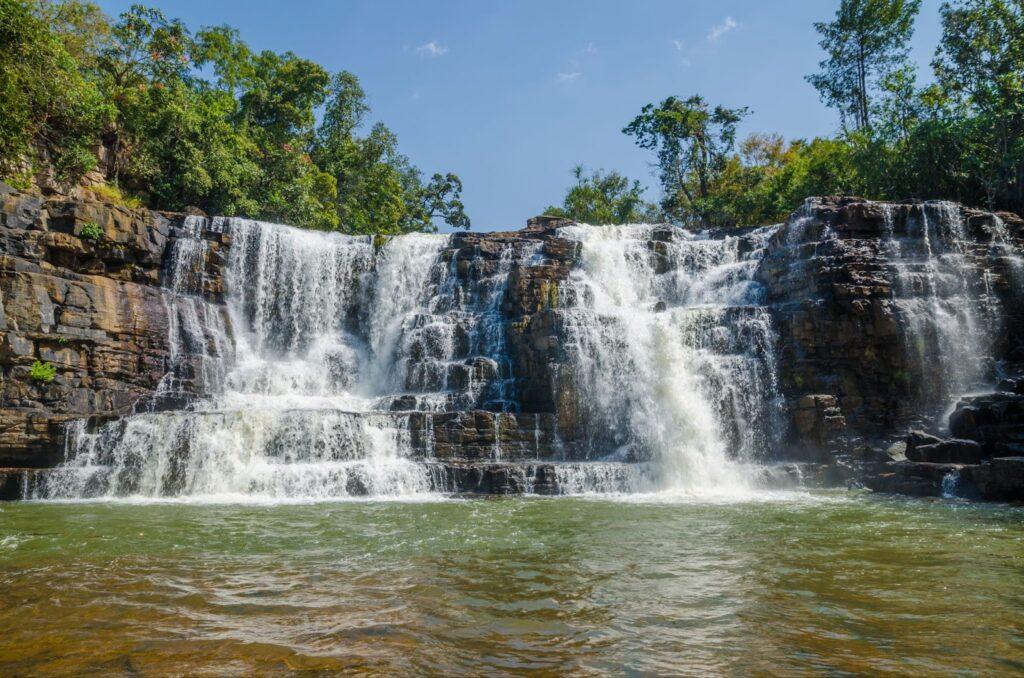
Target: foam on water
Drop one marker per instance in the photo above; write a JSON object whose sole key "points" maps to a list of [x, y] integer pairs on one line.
{"points": [[674, 353], [326, 343]]}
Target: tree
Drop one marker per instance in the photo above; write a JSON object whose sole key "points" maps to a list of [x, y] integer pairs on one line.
{"points": [[865, 43], [980, 64], [605, 198], [52, 114], [379, 190], [201, 120], [692, 142], [440, 198]]}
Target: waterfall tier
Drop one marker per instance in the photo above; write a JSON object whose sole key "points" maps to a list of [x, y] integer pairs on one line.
{"points": [[563, 358]]}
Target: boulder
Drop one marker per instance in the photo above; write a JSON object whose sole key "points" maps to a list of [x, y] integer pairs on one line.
{"points": [[1001, 479], [924, 447], [992, 419]]}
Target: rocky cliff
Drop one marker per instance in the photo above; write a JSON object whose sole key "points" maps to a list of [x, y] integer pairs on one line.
{"points": [[822, 340]]}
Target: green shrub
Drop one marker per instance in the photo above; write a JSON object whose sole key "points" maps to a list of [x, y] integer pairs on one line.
{"points": [[19, 181], [92, 231], [43, 372], [115, 196]]}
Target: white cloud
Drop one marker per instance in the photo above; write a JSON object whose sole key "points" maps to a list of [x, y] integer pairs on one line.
{"points": [[431, 49], [567, 77], [680, 45], [591, 48], [721, 29]]}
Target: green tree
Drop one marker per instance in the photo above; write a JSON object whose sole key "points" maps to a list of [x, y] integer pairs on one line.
{"points": [[378, 189], [980, 64], [145, 51], [201, 120], [605, 198], [49, 107], [865, 42], [692, 142]]}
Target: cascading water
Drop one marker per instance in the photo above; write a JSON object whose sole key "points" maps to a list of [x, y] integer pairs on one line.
{"points": [[327, 345], [327, 331], [670, 344], [943, 293]]}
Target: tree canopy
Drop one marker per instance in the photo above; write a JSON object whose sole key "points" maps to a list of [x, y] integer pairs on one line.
{"points": [[605, 198], [959, 138], [197, 119]]}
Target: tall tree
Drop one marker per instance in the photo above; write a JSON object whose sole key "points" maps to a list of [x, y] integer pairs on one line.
{"points": [[692, 142], [865, 42], [379, 190], [605, 198], [980, 63], [51, 113]]}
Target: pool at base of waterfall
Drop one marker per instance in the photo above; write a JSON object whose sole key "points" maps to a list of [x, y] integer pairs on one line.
{"points": [[775, 582]]}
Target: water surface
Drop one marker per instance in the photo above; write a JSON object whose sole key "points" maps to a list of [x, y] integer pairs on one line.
{"points": [[823, 584]]}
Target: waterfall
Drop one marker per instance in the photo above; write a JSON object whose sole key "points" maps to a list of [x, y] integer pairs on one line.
{"points": [[672, 351], [324, 327], [304, 381], [310, 369], [945, 298]]}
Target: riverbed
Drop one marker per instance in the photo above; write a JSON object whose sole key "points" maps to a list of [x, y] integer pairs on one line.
{"points": [[797, 583]]}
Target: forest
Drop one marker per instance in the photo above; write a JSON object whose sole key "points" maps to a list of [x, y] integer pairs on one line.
{"points": [[956, 133], [159, 115]]}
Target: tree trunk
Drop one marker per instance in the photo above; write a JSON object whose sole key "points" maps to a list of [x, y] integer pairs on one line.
{"points": [[862, 85]]}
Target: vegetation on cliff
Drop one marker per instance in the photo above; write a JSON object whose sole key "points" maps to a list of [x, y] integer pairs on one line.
{"points": [[175, 118], [958, 137]]}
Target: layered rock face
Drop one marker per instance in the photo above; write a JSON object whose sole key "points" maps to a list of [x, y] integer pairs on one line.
{"points": [[93, 307], [199, 357], [886, 313]]}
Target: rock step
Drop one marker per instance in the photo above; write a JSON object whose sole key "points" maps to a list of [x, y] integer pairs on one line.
{"points": [[449, 477], [999, 479]]}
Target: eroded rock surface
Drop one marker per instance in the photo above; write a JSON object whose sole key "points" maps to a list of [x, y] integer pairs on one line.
{"points": [[882, 315]]}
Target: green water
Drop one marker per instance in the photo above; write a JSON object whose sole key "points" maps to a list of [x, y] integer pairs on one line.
{"points": [[827, 584]]}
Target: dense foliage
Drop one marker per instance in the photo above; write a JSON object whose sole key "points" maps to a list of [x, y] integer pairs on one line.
{"points": [[605, 198], [961, 137], [179, 118]]}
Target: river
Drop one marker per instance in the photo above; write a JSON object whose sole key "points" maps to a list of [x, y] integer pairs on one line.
{"points": [[798, 583]]}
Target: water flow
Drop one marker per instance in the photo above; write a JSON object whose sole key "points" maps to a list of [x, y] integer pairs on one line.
{"points": [[322, 326], [672, 352], [946, 300]]}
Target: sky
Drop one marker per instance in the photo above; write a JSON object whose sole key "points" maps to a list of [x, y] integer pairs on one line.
{"points": [[512, 95]]}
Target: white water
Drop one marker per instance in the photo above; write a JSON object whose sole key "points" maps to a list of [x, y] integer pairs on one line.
{"points": [[674, 354], [326, 343], [945, 297], [294, 388], [325, 340]]}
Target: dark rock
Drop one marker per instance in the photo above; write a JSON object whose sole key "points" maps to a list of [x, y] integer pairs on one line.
{"points": [[916, 479], [924, 447], [13, 483], [1001, 479], [994, 420]]}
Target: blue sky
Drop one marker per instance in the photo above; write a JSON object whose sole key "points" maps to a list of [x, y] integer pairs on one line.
{"points": [[511, 95]]}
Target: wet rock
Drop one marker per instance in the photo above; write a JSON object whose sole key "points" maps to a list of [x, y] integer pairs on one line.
{"points": [[994, 420], [1001, 479], [916, 479], [93, 309], [924, 447], [948, 452]]}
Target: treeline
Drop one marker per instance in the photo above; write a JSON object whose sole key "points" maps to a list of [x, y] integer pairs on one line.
{"points": [[959, 137], [172, 118]]}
